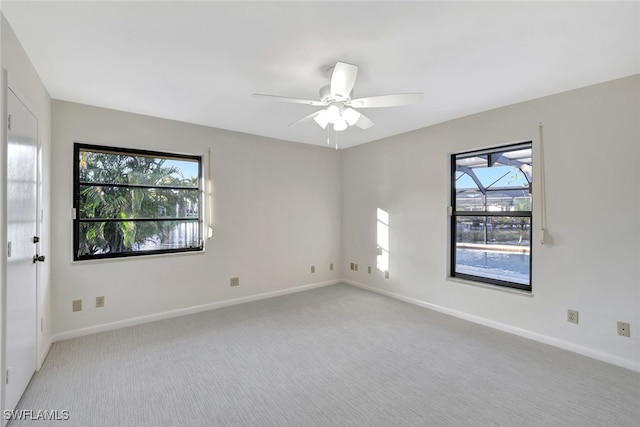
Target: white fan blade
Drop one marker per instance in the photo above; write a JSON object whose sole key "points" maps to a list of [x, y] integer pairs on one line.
{"points": [[287, 99], [306, 118], [364, 122], [394, 100], [343, 78], [322, 118]]}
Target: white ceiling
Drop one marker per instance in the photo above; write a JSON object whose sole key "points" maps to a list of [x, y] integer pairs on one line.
{"points": [[199, 62]]}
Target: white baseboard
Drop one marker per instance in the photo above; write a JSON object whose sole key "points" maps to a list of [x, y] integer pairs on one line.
{"points": [[43, 354], [565, 345], [184, 311]]}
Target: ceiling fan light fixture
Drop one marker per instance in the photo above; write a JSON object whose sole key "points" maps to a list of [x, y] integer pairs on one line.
{"points": [[339, 108], [322, 119], [351, 116], [340, 124], [333, 113]]}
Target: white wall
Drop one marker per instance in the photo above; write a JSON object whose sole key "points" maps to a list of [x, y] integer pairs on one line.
{"points": [[590, 261], [281, 207], [26, 83], [276, 209]]}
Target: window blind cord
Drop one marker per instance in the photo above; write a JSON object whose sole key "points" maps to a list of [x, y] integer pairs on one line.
{"points": [[543, 201], [209, 186]]}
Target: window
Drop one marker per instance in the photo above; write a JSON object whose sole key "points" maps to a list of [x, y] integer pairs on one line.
{"points": [[134, 202], [491, 216]]}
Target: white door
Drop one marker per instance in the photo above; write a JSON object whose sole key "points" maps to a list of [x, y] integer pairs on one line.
{"points": [[21, 324]]}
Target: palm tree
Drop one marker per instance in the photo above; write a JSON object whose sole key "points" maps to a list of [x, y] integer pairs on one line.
{"points": [[138, 194]]}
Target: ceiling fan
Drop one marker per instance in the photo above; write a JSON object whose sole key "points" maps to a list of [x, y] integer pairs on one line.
{"points": [[340, 107]]}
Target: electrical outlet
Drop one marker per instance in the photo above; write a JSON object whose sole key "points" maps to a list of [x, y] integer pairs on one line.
{"points": [[313, 268], [235, 281], [353, 266], [99, 302], [331, 267], [76, 305], [356, 267], [624, 329], [386, 274], [572, 316], [369, 270]]}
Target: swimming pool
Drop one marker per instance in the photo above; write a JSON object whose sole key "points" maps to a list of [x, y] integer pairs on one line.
{"points": [[509, 266]]}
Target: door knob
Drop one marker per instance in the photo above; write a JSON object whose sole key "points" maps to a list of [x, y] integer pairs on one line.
{"points": [[37, 258]]}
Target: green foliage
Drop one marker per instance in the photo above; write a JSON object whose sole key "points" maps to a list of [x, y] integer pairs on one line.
{"points": [[105, 201], [522, 203]]}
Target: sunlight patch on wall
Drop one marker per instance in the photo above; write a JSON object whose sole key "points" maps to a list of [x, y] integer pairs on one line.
{"points": [[382, 240]]}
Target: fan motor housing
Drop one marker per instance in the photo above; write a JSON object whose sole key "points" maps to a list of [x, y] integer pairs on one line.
{"points": [[326, 96]]}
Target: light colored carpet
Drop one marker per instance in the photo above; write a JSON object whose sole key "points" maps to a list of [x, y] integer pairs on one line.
{"points": [[334, 356]]}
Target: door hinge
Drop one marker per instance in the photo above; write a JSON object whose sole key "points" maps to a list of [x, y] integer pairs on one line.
{"points": [[9, 122], [8, 249], [6, 376]]}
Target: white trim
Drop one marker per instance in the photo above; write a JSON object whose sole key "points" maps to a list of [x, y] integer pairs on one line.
{"points": [[542, 191], [4, 92], [565, 345], [184, 311], [42, 356], [498, 288]]}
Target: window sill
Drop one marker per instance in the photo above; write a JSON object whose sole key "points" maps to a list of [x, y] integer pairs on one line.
{"points": [[504, 289], [136, 257]]}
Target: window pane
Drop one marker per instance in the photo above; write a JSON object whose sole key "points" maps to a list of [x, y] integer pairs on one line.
{"points": [[464, 181], [491, 219], [494, 247], [470, 200], [123, 203], [472, 161], [511, 177], [502, 168], [498, 265], [135, 202], [508, 200], [109, 237], [113, 168], [494, 230], [494, 201]]}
